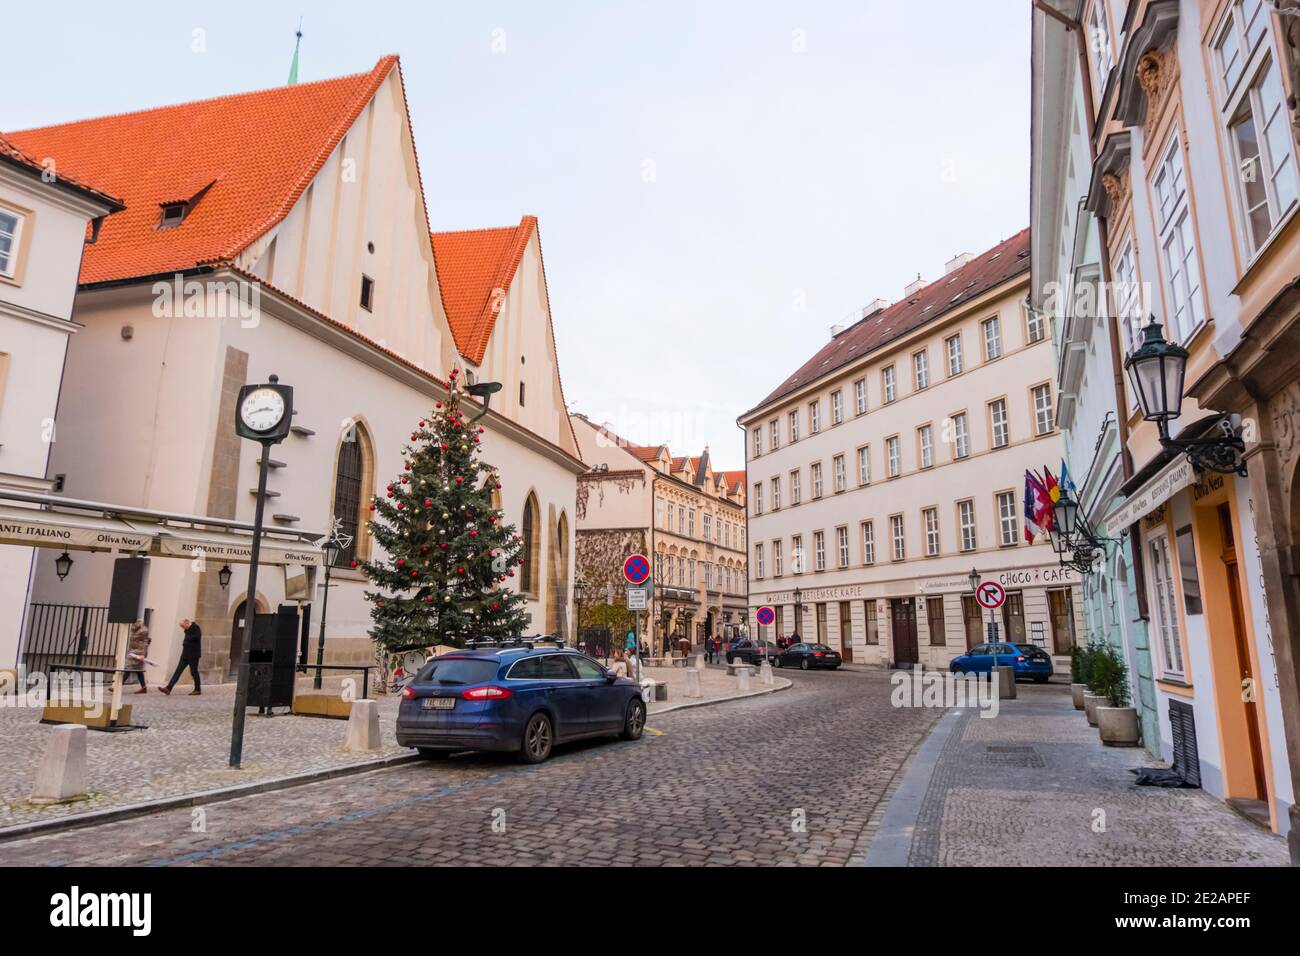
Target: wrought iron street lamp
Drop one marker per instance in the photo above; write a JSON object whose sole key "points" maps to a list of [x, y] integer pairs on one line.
{"points": [[1065, 516], [579, 587], [1156, 370], [330, 551], [974, 579], [798, 612], [63, 565], [224, 576]]}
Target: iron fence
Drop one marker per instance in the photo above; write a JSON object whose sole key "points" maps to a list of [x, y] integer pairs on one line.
{"points": [[69, 634]]}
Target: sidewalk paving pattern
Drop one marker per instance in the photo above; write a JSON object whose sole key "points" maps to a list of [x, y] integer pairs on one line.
{"points": [[186, 747], [1030, 787]]}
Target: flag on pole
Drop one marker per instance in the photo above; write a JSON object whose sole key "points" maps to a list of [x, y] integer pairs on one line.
{"points": [[1052, 485], [1032, 531], [1042, 502], [1067, 483]]}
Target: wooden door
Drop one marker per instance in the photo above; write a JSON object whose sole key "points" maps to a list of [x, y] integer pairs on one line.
{"points": [[846, 632], [1250, 693], [1060, 607], [903, 614], [973, 615], [821, 623], [1013, 618]]}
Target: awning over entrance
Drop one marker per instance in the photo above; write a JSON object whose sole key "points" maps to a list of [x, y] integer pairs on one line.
{"points": [[48, 521], [1170, 480]]}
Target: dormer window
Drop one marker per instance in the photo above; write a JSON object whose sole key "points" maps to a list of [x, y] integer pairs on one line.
{"points": [[173, 214], [367, 293]]}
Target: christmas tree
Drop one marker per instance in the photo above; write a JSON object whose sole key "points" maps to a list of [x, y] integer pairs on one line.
{"points": [[448, 553]]}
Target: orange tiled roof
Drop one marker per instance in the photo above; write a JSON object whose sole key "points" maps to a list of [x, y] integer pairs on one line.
{"points": [[262, 149], [472, 265], [10, 152], [1003, 262]]}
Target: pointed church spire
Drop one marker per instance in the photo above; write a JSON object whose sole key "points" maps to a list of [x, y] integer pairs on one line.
{"points": [[293, 67]]}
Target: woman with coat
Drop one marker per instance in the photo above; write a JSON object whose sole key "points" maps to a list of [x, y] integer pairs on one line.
{"points": [[137, 650]]}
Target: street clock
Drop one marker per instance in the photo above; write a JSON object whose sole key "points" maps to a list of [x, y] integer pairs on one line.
{"points": [[264, 412]]}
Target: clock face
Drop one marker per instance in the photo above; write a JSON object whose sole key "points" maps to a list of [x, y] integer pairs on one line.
{"points": [[262, 409]]}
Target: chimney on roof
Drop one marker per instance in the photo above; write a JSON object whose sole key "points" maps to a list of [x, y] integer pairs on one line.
{"points": [[956, 262], [913, 287], [836, 329], [874, 306]]}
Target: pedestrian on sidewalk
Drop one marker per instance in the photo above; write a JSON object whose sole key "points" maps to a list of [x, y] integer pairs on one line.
{"points": [[137, 651], [191, 651], [619, 667], [708, 649]]}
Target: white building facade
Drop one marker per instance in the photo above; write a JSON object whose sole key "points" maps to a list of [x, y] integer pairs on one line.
{"points": [[892, 463]]}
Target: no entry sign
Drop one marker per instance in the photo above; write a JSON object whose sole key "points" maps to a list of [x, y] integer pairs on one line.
{"points": [[765, 615], [990, 594], [636, 569]]}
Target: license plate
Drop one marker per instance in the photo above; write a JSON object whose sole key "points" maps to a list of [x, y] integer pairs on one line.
{"points": [[439, 703]]}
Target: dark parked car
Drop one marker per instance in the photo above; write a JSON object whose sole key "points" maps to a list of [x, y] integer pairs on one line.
{"points": [[515, 699], [1028, 660], [807, 656], [752, 652]]}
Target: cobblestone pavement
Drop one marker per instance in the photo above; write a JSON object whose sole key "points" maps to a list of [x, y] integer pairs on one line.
{"points": [[1035, 787], [186, 748], [722, 785]]}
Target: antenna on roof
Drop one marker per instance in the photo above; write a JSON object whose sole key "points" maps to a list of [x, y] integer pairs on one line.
{"points": [[293, 67]]}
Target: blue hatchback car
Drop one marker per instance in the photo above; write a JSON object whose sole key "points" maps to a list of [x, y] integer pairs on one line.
{"points": [[1029, 661], [522, 700]]}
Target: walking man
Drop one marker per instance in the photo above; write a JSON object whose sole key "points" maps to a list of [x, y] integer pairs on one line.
{"points": [[191, 651]]}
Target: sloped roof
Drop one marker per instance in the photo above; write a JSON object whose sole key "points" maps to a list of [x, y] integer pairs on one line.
{"points": [[1003, 262], [262, 149], [475, 269], [735, 480], [12, 154]]}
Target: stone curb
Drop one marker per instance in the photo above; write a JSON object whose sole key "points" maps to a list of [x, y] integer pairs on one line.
{"points": [[116, 814], [98, 817]]}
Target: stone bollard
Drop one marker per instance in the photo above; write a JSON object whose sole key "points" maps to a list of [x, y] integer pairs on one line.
{"points": [[363, 727], [693, 687], [742, 678], [698, 662], [1006, 682], [63, 770], [765, 674]]}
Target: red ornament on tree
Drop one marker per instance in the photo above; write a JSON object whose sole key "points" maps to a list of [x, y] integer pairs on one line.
{"points": [[401, 562]]}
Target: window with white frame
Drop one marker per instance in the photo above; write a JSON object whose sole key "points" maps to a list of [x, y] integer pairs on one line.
{"points": [[776, 493], [816, 471], [890, 384], [819, 551], [708, 576], [1250, 88], [758, 502], [864, 465], [794, 426], [1043, 408], [931, 516], [1008, 519], [1178, 245], [1034, 325], [659, 512], [992, 338], [708, 527], [778, 560], [774, 429], [815, 416], [672, 511], [897, 535], [690, 524], [1128, 296], [1165, 605], [796, 554], [837, 407], [758, 442], [998, 423], [925, 442], [681, 519], [758, 560], [960, 436], [966, 522], [838, 473], [796, 489], [1102, 55], [860, 396], [868, 542], [894, 465], [842, 546], [11, 227], [953, 344], [921, 370]]}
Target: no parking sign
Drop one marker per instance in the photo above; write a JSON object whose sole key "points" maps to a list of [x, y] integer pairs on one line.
{"points": [[765, 615]]}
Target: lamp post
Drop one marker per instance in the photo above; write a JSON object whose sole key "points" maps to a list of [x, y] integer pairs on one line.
{"points": [[579, 586], [1156, 370], [798, 613], [329, 553]]}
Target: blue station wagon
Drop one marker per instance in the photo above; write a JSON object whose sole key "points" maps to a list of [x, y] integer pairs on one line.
{"points": [[1029, 661], [522, 700]]}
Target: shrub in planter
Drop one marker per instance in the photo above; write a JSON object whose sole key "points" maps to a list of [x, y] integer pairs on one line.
{"points": [[1108, 676], [1117, 722], [1080, 663]]}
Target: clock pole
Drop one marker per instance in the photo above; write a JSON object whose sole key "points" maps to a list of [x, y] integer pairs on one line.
{"points": [[272, 435]]}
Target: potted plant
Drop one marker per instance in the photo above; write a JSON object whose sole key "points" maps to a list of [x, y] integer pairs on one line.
{"points": [[1117, 722], [1080, 662]]}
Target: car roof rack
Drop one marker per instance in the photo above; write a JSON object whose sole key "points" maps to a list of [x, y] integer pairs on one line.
{"points": [[515, 643]]}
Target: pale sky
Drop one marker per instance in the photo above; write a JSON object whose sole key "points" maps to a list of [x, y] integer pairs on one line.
{"points": [[718, 181]]}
